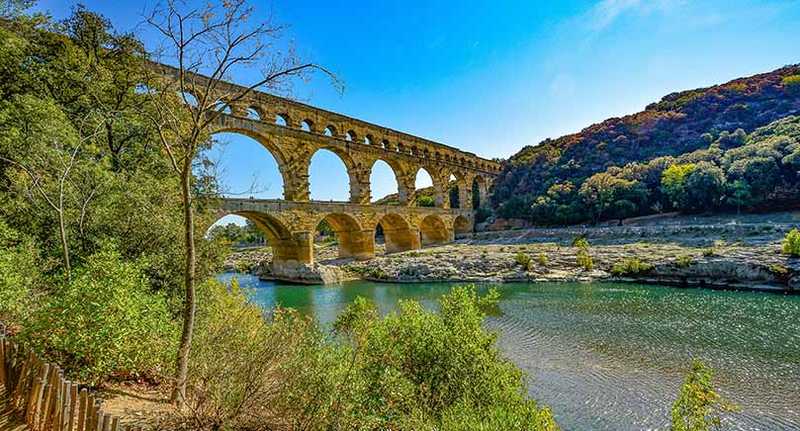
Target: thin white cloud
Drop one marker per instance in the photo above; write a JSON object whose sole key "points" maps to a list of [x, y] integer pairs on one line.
{"points": [[605, 12]]}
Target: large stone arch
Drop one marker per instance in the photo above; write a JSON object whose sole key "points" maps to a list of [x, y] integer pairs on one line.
{"points": [[353, 239], [350, 167], [399, 233], [292, 183], [287, 247], [434, 230], [405, 188]]}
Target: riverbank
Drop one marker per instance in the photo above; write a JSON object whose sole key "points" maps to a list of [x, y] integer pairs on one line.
{"points": [[741, 252]]}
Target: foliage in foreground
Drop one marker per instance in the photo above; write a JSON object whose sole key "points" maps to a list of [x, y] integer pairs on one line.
{"points": [[413, 369], [103, 321], [699, 406], [19, 275]]}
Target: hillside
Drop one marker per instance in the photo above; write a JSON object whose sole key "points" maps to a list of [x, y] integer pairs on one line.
{"points": [[680, 123]]}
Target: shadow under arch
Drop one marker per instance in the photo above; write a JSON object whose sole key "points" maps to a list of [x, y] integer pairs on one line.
{"points": [[461, 227], [352, 239], [398, 233], [279, 237], [433, 230]]}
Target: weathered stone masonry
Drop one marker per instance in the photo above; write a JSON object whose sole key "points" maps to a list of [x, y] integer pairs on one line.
{"points": [[292, 132]]}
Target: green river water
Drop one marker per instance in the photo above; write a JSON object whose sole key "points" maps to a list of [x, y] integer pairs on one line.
{"points": [[609, 356]]}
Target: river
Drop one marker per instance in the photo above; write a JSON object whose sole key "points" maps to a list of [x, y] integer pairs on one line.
{"points": [[609, 356]]}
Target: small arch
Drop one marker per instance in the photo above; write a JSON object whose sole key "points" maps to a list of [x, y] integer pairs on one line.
{"points": [[347, 234], [401, 148], [282, 120], [329, 131], [328, 170], [253, 114], [307, 125], [461, 227], [189, 98], [452, 192], [385, 144], [433, 230], [350, 136], [396, 233], [424, 192], [368, 140], [223, 107]]}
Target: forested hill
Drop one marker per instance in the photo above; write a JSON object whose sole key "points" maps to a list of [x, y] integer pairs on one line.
{"points": [[680, 123]]}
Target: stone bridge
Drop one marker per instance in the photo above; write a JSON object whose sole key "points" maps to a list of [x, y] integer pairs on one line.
{"points": [[290, 227], [293, 132]]}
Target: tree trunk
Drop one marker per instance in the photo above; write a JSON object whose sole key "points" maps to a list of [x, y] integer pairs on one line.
{"points": [[189, 304], [62, 232]]}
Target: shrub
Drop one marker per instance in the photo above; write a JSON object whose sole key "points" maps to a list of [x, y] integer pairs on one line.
{"points": [[104, 321], [422, 369], [791, 82], [19, 275], [698, 407], [684, 261], [630, 266], [791, 243], [244, 369], [523, 260], [583, 257], [542, 259]]}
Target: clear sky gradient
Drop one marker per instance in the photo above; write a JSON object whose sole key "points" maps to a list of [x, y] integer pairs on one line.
{"points": [[493, 76]]}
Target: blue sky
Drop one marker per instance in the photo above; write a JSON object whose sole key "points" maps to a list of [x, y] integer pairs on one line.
{"points": [[493, 76]]}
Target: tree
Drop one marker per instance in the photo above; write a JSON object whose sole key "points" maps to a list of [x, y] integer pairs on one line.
{"points": [[206, 45], [739, 194], [38, 141], [673, 184], [705, 187], [606, 195]]}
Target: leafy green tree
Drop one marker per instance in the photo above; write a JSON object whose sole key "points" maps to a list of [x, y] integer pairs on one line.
{"points": [[20, 277], [739, 194], [705, 187], [608, 196], [104, 320], [673, 184], [760, 173], [698, 407]]}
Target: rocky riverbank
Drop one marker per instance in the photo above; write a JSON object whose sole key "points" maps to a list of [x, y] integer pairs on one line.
{"points": [[720, 253]]}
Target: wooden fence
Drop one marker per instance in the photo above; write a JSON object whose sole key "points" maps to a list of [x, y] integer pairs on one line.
{"points": [[40, 396]]}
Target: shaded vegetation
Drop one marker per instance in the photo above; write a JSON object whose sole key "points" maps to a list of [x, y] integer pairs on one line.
{"points": [[732, 146]]}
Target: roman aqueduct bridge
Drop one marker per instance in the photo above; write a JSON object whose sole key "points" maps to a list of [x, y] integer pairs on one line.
{"points": [[292, 132]]}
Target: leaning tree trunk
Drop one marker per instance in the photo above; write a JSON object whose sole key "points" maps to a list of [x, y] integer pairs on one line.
{"points": [[189, 304]]}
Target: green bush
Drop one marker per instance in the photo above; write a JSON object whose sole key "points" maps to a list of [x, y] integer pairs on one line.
{"points": [[583, 257], [698, 407], [792, 83], [19, 275], [421, 369], [630, 266], [104, 321], [684, 261], [542, 259], [244, 369], [791, 243], [523, 260]]}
